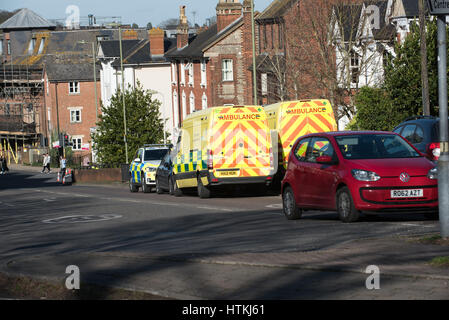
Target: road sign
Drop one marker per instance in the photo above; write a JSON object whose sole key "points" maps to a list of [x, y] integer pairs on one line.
{"points": [[438, 7]]}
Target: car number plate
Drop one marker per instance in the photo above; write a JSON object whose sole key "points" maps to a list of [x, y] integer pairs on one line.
{"points": [[230, 173], [407, 193]]}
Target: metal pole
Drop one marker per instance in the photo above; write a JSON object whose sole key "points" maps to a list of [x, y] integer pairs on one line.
{"points": [[253, 40], [123, 93], [95, 83], [443, 161]]}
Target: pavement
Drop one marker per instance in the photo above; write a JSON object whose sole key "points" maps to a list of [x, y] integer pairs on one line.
{"points": [[338, 272]]}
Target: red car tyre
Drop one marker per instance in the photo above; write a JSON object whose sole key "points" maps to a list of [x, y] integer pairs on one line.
{"points": [[289, 207], [345, 206]]}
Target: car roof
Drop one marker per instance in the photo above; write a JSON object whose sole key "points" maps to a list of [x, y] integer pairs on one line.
{"points": [[348, 133]]}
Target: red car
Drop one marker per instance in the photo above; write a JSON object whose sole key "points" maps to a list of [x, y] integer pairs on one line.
{"points": [[353, 171]]}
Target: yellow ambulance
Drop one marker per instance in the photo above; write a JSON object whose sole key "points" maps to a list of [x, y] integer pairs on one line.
{"points": [[292, 119], [228, 145]]}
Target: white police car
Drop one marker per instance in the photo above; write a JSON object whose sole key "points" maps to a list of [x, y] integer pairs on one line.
{"points": [[143, 168]]}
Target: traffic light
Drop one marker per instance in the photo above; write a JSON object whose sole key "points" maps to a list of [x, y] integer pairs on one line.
{"points": [[66, 140]]}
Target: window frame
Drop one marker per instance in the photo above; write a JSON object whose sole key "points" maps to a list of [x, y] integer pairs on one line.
{"points": [[77, 142], [225, 71], [74, 86], [295, 152], [75, 110]]}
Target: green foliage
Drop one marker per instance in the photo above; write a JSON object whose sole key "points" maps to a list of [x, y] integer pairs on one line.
{"points": [[144, 125], [401, 94], [374, 110]]}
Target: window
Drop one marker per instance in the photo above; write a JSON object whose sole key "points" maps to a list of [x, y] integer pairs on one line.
{"points": [[77, 143], [1, 46], [190, 71], [102, 38], [204, 101], [398, 130], [355, 63], [227, 70], [280, 35], [301, 149], [74, 87], [320, 147], [173, 73], [8, 49], [413, 133], [184, 105], [264, 36], [31, 46], [183, 74], [192, 102], [75, 116], [41, 46], [203, 74]]}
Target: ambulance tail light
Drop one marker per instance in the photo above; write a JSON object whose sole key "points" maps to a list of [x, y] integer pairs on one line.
{"points": [[433, 150], [210, 160]]}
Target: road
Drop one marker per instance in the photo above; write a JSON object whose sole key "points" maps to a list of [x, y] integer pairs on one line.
{"points": [[42, 218]]}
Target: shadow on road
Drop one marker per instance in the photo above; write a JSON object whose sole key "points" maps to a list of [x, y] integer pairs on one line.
{"points": [[22, 179]]}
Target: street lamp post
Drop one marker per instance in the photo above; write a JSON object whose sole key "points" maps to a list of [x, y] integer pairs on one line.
{"points": [[123, 93]]}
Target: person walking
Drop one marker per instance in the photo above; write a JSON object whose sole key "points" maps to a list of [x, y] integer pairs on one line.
{"points": [[46, 163], [63, 165], [4, 165]]}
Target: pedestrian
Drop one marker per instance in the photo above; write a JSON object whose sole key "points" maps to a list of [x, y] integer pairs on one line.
{"points": [[1, 164], [45, 163], [63, 165], [4, 165]]}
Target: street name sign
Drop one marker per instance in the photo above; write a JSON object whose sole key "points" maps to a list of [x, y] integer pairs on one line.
{"points": [[438, 7]]}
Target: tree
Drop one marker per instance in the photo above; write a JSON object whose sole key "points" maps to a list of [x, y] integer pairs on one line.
{"points": [[332, 51], [135, 26], [143, 121], [403, 73], [400, 96], [149, 26]]}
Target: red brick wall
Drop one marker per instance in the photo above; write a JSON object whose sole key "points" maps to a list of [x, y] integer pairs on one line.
{"points": [[85, 99]]}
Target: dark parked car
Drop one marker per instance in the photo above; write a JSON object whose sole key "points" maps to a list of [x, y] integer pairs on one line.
{"points": [[423, 132], [164, 175], [350, 172]]}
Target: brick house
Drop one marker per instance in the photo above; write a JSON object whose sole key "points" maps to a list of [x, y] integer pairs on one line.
{"points": [[143, 62], [212, 68], [70, 99]]}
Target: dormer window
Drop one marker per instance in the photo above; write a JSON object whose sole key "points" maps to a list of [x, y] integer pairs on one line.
{"points": [[31, 46]]}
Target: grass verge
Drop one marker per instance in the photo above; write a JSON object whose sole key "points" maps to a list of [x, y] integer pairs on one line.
{"points": [[431, 239], [440, 262], [20, 287]]}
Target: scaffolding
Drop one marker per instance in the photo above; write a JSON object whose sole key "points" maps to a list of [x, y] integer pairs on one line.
{"points": [[22, 111]]}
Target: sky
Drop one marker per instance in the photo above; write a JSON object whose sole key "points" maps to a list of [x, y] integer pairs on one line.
{"points": [[130, 11]]}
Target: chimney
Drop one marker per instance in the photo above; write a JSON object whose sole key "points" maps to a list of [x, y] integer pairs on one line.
{"points": [[183, 29], [129, 34], [156, 36], [227, 12]]}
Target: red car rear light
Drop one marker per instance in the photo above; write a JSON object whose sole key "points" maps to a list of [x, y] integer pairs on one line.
{"points": [[433, 150]]}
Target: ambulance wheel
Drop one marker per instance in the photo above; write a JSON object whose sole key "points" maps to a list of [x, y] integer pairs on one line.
{"points": [[158, 187], [170, 186], [289, 207], [145, 188], [176, 191], [203, 192], [132, 187]]}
